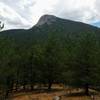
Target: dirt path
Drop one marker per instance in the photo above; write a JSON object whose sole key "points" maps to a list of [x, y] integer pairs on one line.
{"points": [[49, 95]]}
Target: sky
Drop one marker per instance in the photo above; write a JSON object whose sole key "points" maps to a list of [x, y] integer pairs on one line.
{"points": [[26, 13]]}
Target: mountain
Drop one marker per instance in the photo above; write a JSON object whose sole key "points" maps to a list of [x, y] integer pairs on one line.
{"points": [[49, 25], [46, 19]]}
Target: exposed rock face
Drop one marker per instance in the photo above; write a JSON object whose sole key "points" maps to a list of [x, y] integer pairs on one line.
{"points": [[46, 19]]}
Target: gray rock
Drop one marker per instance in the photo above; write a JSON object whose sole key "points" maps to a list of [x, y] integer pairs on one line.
{"points": [[46, 19]]}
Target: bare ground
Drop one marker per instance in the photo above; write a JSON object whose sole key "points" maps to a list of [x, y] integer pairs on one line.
{"points": [[49, 96]]}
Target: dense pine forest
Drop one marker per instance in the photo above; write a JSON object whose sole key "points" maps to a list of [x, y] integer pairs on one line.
{"points": [[57, 56]]}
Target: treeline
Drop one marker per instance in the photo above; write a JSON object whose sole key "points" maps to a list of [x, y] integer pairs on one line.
{"points": [[71, 60]]}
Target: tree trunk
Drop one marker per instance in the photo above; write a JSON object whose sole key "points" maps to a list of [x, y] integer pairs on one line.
{"points": [[32, 87], [87, 89], [16, 87], [49, 85], [24, 87], [6, 93]]}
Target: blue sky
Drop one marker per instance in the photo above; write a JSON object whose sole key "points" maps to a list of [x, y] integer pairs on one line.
{"points": [[97, 24], [25, 13]]}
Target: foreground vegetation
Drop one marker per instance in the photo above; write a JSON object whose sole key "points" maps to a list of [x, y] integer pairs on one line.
{"points": [[74, 62], [36, 64]]}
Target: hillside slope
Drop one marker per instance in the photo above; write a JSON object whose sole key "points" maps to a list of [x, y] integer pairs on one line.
{"points": [[49, 25]]}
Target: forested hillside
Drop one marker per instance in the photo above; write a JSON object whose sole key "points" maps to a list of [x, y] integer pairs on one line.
{"points": [[58, 51]]}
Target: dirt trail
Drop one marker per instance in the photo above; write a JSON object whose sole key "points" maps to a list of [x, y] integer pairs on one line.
{"points": [[49, 96], [43, 95]]}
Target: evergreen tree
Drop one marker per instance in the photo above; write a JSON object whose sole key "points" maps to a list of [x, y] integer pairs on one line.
{"points": [[85, 64]]}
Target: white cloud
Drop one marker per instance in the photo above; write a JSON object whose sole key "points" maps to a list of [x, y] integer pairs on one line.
{"points": [[80, 10], [11, 18], [25, 13]]}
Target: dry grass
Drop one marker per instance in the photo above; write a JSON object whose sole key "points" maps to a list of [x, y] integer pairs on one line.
{"points": [[75, 95], [49, 96]]}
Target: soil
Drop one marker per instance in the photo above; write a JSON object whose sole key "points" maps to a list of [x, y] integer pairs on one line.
{"points": [[49, 96]]}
